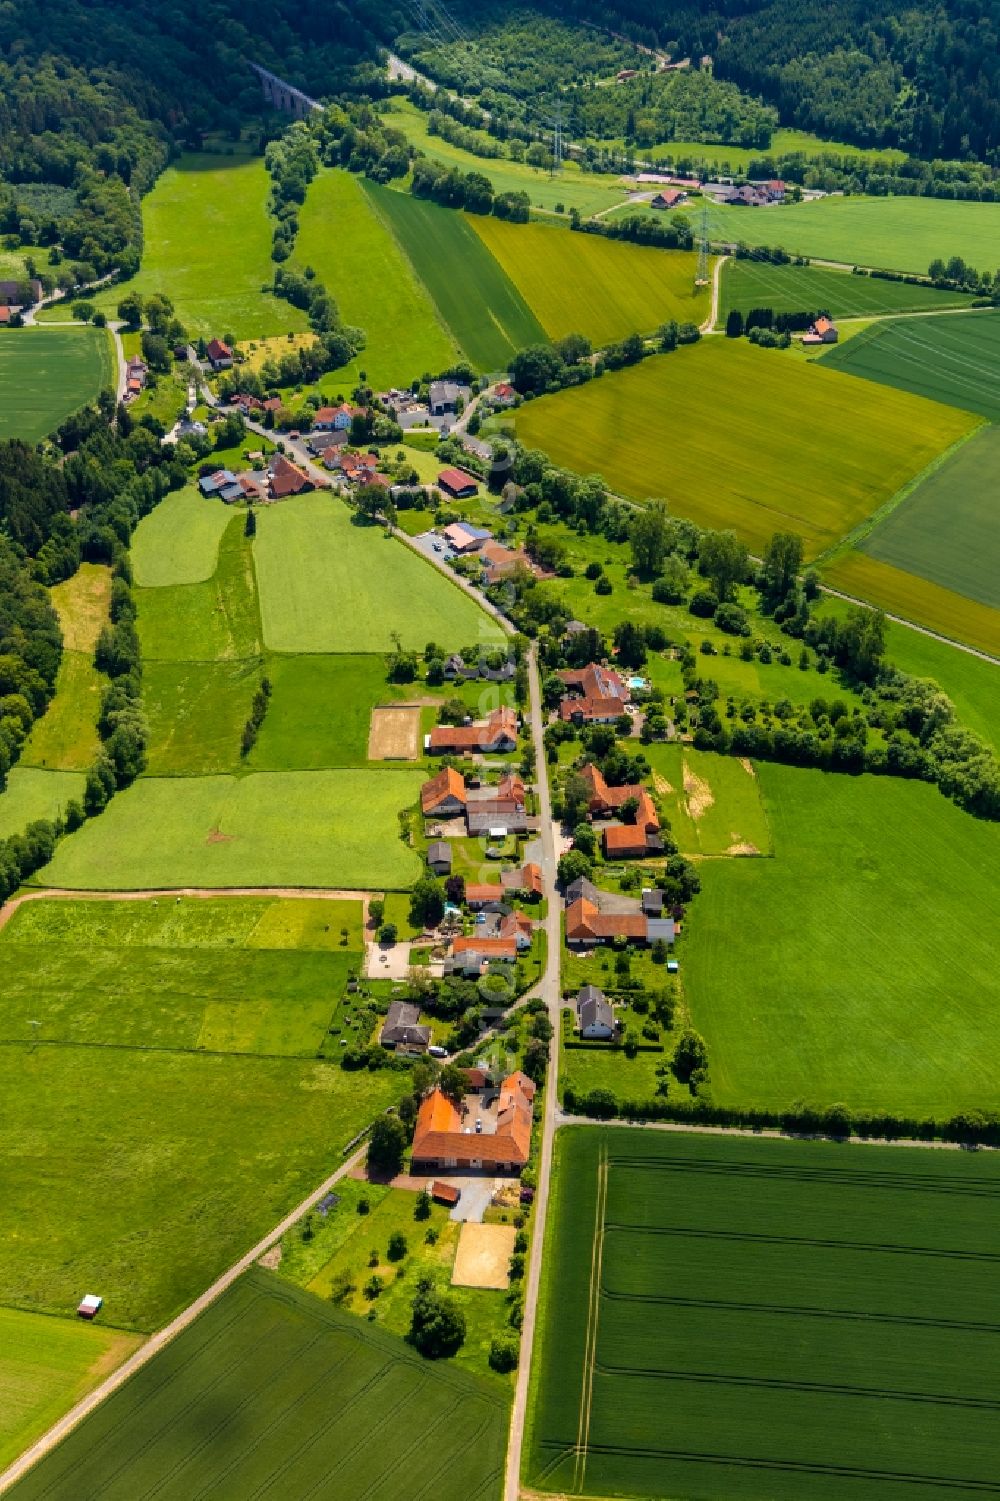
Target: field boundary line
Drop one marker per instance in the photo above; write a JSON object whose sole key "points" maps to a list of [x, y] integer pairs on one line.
{"points": [[593, 1320], [377, 215], [865, 528], [157, 1342], [913, 625], [200, 893]]}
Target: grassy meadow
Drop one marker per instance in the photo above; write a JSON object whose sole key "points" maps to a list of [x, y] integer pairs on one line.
{"points": [[47, 374], [45, 1366], [892, 234], [328, 585], [357, 259], [320, 711], [32, 793], [733, 1318], [911, 597], [274, 1393], [178, 542], [748, 284], [731, 160], [571, 187], [713, 802], [214, 621], [606, 289], [207, 245], [215, 976], [196, 712], [953, 359], [947, 530], [142, 1173], [320, 828], [727, 474], [65, 738], [479, 303], [856, 966]]}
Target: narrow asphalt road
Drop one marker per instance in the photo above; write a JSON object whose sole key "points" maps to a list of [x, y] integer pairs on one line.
{"points": [[550, 992], [157, 1342]]}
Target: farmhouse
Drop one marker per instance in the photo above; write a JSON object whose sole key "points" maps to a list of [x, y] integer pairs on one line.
{"points": [[445, 396], [821, 332], [503, 395], [457, 483], [285, 478], [402, 1029], [219, 355], [444, 796], [456, 667], [245, 403], [439, 857], [668, 198], [336, 419], [442, 1139], [472, 956], [222, 484], [325, 440], [136, 372], [594, 695], [526, 882], [587, 924], [495, 734], [20, 293], [463, 538], [481, 894], [596, 1018], [500, 562], [605, 800], [498, 809]]}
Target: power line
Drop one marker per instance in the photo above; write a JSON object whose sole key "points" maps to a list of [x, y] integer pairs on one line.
{"points": [[701, 274]]}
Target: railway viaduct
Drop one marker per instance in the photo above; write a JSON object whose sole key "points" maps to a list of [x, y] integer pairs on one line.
{"points": [[283, 96]]}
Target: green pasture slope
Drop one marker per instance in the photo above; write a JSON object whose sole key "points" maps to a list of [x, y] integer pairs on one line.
{"points": [[304, 829], [34, 792], [605, 289], [224, 976], [948, 529], [217, 620], [65, 737], [357, 259], [857, 965], [46, 374], [748, 472], [892, 234], [178, 542], [954, 359], [207, 245], [749, 284], [45, 1366], [274, 1393], [329, 585], [487, 315], [734, 1318], [177, 1057]]}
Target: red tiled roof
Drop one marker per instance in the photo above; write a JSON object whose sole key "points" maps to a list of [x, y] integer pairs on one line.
{"points": [[445, 1193], [624, 839], [457, 479], [447, 784], [217, 350], [438, 1134], [286, 478], [584, 920], [490, 948], [477, 892], [481, 736]]}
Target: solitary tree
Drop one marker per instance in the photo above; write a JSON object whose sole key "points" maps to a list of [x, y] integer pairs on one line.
{"points": [[386, 1146], [438, 1324]]}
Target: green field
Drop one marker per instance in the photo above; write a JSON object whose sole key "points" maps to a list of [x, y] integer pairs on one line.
{"points": [[735, 159], [358, 260], [724, 474], [273, 1393], [713, 802], [327, 585], [320, 828], [487, 315], [196, 712], [811, 289], [45, 1366], [892, 234], [955, 359], [142, 1174], [65, 737], [207, 245], [857, 965], [208, 976], [948, 529], [571, 187], [910, 597], [33, 793], [606, 289], [46, 374], [320, 711], [214, 621], [178, 542], [725, 1318]]}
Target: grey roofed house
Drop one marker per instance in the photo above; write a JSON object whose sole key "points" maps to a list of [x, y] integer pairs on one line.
{"points": [[597, 1019], [439, 857], [652, 902], [402, 1027], [581, 887], [660, 927], [488, 816], [445, 396], [324, 438]]}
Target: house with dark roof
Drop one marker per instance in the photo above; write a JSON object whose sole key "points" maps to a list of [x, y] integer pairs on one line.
{"points": [[444, 397], [222, 484], [402, 1030], [12, 292], [595, 1014], [439, 857]]}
